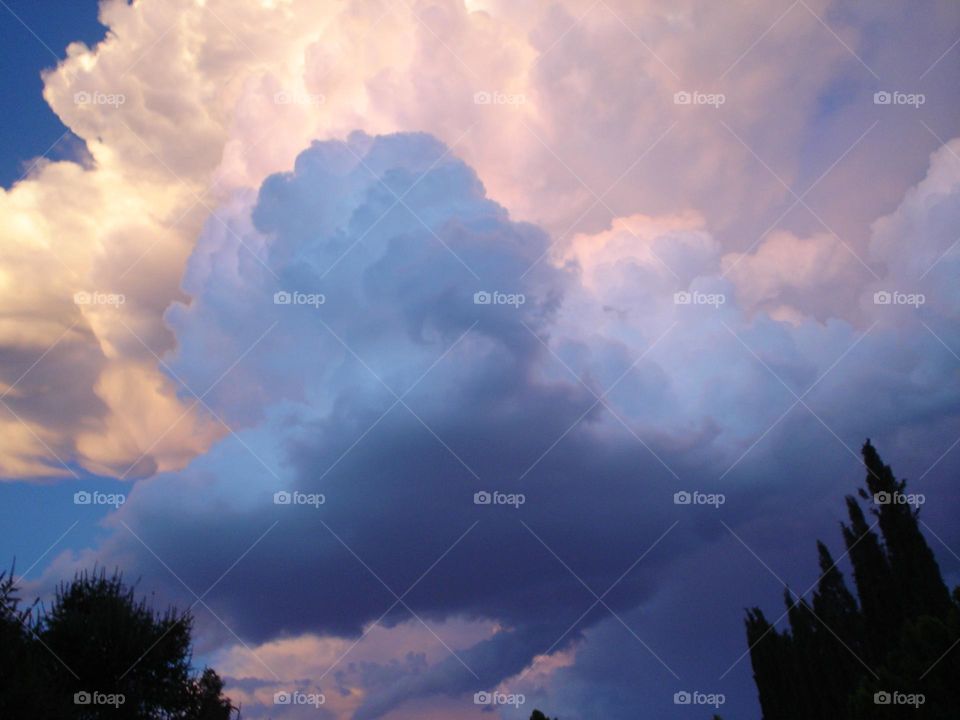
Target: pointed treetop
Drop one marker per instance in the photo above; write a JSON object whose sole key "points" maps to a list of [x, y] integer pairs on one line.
{"points": [[825, 559]]}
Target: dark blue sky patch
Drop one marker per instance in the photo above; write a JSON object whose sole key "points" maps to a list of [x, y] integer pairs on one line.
{"points": [[33, 37]]}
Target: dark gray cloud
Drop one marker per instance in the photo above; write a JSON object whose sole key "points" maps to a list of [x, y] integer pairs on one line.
{"points": [[398, 398]]}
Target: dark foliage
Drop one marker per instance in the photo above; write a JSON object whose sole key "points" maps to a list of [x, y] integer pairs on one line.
{"points": [[886, 653], [97, 652]]}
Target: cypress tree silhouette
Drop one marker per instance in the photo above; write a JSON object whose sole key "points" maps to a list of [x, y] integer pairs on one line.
{"points": [[879, 605], [773, 666], [847, 657], [919, 583], [840, 633]]}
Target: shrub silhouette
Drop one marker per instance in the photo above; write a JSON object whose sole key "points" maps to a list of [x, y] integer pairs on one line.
{"points": [[97, 652]]}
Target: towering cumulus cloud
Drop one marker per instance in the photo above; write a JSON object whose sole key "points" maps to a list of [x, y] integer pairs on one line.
{"points": [[453, 347], [570, 114], [400, 369], [404, 355]]}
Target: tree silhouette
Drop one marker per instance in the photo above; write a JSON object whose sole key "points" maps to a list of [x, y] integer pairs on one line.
{"points": [[537, 715], [98, 652], [19, 668], [847, 657]]}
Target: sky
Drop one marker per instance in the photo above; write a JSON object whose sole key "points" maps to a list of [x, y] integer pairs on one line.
{"points": [[441, 348], [34, 37]]}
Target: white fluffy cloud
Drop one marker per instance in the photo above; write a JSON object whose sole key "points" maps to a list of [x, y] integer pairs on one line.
{"points": [[575, 126]]}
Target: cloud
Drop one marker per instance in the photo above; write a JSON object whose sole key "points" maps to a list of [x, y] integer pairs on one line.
{"points": [[81, 388], [299, 204], [917, 242], [568, 117], [399, 320], [379, 384], [796, 277]]}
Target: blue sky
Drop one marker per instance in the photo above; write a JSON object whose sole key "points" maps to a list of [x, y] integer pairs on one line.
{"points": [[27, 127]]}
